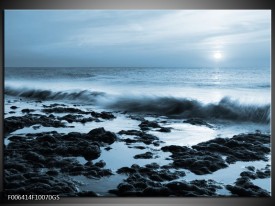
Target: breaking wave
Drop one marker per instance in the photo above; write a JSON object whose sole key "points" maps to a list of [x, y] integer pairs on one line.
{"points": [[40, 94], [226, 108]]}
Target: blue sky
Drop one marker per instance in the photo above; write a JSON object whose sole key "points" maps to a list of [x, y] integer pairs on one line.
{"points": [[134, 38]]}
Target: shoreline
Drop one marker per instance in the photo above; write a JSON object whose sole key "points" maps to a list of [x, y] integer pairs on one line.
{"points": [[58, 162]]}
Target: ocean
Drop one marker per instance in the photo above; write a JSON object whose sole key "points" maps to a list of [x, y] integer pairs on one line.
{"points": [[242, 94]]}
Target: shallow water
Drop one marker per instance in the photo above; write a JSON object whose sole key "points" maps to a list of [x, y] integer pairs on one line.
{"points": [[122, 156]]}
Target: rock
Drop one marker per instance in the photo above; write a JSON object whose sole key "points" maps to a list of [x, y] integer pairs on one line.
{"points": [[76, 118], [129, 141], [103, 115], [52, 172], [153, 166], [145, 125], [131, 132], [245, 188], [140, 137], [97, 132], [92, 152], [164, 129], [27, 110], [100, 135], [197, 121], [147, 138], [17, 138], [126, 170], [36, 127], [251, 168], [47, 138], [34, 157], [18, 122], [147, 155], [125, 187], [254, 144], [252, 174], [13, 107], [248, 174], [140, 147], [194, 188], [100, 164], [107, 115], [20, 167], [64, 110], [199, 162], [107, 148]]}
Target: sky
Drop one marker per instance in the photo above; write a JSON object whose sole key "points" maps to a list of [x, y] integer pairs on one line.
{"points": [[137, 38]]}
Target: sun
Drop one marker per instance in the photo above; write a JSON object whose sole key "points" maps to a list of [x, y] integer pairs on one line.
{"points": [[217, 55]]}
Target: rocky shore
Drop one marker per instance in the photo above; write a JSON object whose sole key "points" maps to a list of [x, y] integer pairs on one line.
{"points": [[46, 162]]}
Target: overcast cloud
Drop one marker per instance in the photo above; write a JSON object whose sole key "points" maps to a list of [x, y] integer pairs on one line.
{"points": [[44, 38]]}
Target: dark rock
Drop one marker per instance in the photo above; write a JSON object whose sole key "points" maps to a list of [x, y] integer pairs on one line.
{"points": [[107, 115], [64, 110], [76, 118], [125, 187], [147, 138], [197, 121], [248, 174], [47, 138], [17, 138], [140, 147], [13, 107], [129, 141], [103, 115], [145, 125], [52, 172], [140, 137], [147, 155], [34, 157], [164, 129], [199, 162], [18, 122], [100, 135], [193, 188], [54, 105], [92, 152], [107, 148], [131, 132], [36, 127], [245, 188], [126, 170], [244, 147], [20, 167], [27, 110], [153, 166], [100, 164], [251, 168], [252, 174]]}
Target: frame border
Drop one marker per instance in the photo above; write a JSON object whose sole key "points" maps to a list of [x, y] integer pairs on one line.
{"points": [[135, 4]]}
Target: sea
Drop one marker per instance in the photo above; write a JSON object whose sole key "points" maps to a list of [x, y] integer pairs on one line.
{"points": [[227, 93]]}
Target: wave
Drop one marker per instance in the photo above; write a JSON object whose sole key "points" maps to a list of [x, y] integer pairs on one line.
{"points": [[226, 108], [40, 94], [185, 108]]}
